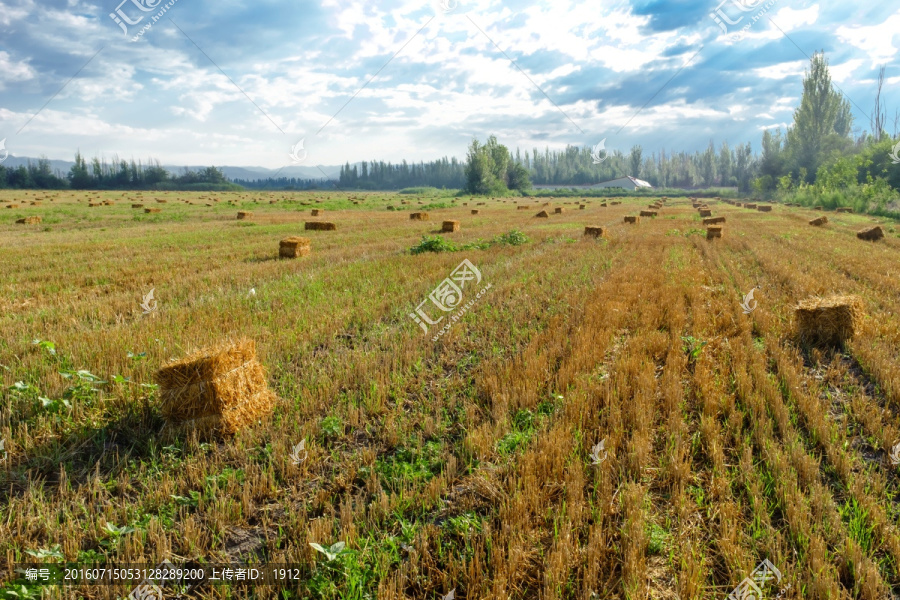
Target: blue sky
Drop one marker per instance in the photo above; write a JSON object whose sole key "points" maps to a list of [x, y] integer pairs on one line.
{"points": [[298, 70]]}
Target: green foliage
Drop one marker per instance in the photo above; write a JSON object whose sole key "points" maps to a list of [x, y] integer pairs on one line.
{"points": [[434, 244], [692, 347], [332, 427], [442, 244]]}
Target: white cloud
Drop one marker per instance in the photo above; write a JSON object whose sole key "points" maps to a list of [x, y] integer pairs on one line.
{"points": [[875, 40]]}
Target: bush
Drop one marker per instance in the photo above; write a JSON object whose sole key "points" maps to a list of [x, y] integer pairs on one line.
{"points": [[434, 244]]}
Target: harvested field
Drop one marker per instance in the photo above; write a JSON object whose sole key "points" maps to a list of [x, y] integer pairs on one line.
{"points": [[607, 419]]}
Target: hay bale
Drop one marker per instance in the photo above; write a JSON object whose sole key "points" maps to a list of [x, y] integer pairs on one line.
{"points": [[604, 204], [35, 220], [17, 206], [316, 212], [221, 389], [820, 221], [713, 220], [244, 214], [706, 213], [871, 234], [764, 208], [543, 215], [137, 206], [559, 210], [418, 216], [714, 232], [845, 209], [828, 321], [633, 220], [581, 207], [594, 231], [152, 210], [161, 201], [449, 226], [523, 208], [750, 206], [649, 213], [320, 226], [615, 203], [817, 208], [294, 247], [474, 211]]}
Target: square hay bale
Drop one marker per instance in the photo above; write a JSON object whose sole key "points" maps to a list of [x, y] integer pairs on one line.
{"points": [[559, 210], [713, 220], [872, 234], [581, 207], [842, 209], [543, 215], [817, 208], [649, 213], [475, 211], [714, 232], [137, 206], [316, 212], [820, 221], [764, 208], [633, 220], [244, 214], [35, 220], [418, 216], [449, 226], [828, 321], [705, 213], [615, 203], [215, 390], [152, 210], [320, 226], [523, 208], [604, 204], [17, 206], [750, 206], [594, 231], [294, 247], [36, 203], [161, 201]]}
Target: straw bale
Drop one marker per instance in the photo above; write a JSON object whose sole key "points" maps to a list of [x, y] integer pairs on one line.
{"points": [[633, 220], [221, 389], [418, 216], [750, 206], [316, 212], [713, 220], [828, 321], [705, 213], [845, 209], [649, 213], [30, 220], [604, 204], [581, 207], [594, 231], [543, 214], [161, 201], [817, 208], [820, 221], [12, 206], [450, 226], [523, 208], [320, 226], [244, 214], [714, 232], [871, 234], [475, 211], [764, 208], [294, 247], [559, 210], [152, 210], [615, 203]]}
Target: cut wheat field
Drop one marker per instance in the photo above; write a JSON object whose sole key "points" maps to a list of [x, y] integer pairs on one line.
{"points": [[471, 463]]}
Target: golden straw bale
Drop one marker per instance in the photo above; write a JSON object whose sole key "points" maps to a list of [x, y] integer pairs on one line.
{"points": [[714, 232], [615, 203], [817, 208], [764, 208], [17, 206], [475, 211], [705, 213], [161, 201], [30, 220], [845, 209], [713, 220], [523, 208], [871, 234], [543, 214], [316, 212], [581, 207], [750, 206], [820, 221], [559, 210], [604, 204], [294, 247], [152, 210], [320, 226], [649, 213], [244, 214], [450, 226], [418, 216], [633, 220], [137, 206], [594, 231], [221, 389], [828, 321]]}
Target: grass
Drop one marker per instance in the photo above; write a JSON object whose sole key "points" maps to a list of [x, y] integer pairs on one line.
{"points": [[462, 463]]}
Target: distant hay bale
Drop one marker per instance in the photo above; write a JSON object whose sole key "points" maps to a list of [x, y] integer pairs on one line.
{"points": [[152, 210], [604, 204], [244, 214], [615, 203], [713, 220], [581, 207], [475, 211], [523, 208], [450, 226], [161, 201], [137, 206], [714, 232], [705, 213], [215, 390], [543, 214], [418, 216], [320, 226], [750, 206], [633, 220], [871, 234], [649, 213], [36, 203], [817, 208], [559, 210], [764, 208], [828, 321], [294, 247], [820, 221], [845, 209], [15, 206], [316, 212], [594, 231], [35, 220]]}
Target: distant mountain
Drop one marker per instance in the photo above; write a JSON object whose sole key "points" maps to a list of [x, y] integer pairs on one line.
{"points": [[61, 168]]}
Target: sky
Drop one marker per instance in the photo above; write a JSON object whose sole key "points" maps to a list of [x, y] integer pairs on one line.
{"points": [[242, 83]]}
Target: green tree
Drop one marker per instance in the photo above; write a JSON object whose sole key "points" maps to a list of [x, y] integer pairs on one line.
{"points": [[634, 161]]}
